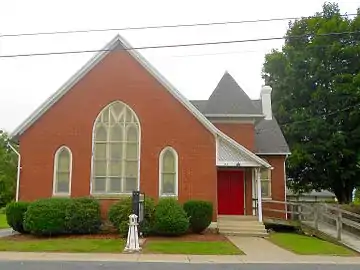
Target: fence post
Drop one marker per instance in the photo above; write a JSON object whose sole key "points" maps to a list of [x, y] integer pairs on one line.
{"points": [[316, 216], [338, 223]]}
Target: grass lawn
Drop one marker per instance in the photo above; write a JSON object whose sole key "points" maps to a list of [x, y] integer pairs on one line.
{"points": [[187, 247], [307, 245], [3, 223], [64, 245]]}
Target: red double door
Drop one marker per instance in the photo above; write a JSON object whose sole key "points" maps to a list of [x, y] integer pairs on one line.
{"points": [[230, 197]]}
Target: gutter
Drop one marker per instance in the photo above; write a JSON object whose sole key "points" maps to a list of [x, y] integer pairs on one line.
{"points": [[18, 171]]}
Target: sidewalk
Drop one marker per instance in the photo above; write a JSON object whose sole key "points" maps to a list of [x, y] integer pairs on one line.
{"points": [[6, 232], [233, 259]]}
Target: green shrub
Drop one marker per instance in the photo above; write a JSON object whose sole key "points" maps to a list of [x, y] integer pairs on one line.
{"points": [[170, 218], [123, 228], [15, 213], [47, 217], [119, 215], [83, 216], [199, 213]]}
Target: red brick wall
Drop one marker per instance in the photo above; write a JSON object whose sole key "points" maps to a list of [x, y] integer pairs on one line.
{"points": [[277, 186], [163, 120], [243, 133]]}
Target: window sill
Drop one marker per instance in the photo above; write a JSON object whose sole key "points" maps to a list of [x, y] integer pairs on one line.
{"points": [[169, 196], [59, 195]]}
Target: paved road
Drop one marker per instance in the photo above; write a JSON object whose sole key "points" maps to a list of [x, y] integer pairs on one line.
{"points": [[163, 266]]}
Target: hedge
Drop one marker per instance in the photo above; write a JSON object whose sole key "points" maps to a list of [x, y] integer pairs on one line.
{"points": [[15, 214], [83, 216], [199, 213], [56, 216], [119, 215], [47, 216], [170, 218]]}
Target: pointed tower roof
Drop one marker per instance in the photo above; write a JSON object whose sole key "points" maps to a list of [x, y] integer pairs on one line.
{"points": [[229, 98]]}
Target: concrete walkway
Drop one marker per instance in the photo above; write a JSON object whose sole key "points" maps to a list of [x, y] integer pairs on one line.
{"points": [[6, 232], [259, 248]]}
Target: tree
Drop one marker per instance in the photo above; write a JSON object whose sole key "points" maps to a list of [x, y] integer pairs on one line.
{"points": [[8, 170], [316, 100]]}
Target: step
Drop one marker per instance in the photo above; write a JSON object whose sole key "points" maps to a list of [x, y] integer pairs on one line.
{"points": [[239, 227], [237, 217], [246, 223]]}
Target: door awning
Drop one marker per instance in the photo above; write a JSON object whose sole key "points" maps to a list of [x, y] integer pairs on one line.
{"points": [[230, 154]]}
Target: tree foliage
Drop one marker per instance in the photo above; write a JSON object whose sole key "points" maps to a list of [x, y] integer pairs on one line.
{"points": [[8, 170], [316, 100]]}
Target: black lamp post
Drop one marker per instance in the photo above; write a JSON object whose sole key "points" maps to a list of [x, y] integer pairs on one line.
{"points": [[138, 202]]}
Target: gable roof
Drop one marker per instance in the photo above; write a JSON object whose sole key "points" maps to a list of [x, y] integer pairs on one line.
{"points": [[118, 42], [229, 98], [269, 138]]}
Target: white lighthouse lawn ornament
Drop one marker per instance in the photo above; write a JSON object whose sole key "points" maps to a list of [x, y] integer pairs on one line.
{"points": [[132, 243]]}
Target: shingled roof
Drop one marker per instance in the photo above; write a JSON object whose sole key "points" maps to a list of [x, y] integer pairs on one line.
{"points": [[228, 98]]}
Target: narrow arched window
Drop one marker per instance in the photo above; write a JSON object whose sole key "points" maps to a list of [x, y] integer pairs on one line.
{"points": [[116, 139], [62, 171], [168, 182]]}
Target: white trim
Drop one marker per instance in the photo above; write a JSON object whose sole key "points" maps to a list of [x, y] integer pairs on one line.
{"points": [[169, 148], [285, 189], [259, 196], [118, 40], [274, 154], [18, 171], [56, 156], [234, 115], [93, 145], [232, 121]]}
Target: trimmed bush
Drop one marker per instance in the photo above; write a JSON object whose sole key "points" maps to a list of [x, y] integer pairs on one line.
{"points": [[199, 213], [15, 214], [119, 215], [170, 218], [47, 217], [83, 216]]}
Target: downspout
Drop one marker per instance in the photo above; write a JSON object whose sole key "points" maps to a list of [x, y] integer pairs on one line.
{"points": [[285, 185], [259, 195], [18, 171]]}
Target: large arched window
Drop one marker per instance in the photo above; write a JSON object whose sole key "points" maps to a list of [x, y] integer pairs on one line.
{"points": [[116, 150], [168, 184], [62, 171]]}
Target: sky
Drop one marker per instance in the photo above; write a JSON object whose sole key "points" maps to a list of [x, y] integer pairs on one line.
{"points": [[26, 82]]}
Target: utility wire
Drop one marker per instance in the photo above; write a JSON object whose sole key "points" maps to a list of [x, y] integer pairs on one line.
{"points": [[310, 118], [184, 45], [164, 26]]}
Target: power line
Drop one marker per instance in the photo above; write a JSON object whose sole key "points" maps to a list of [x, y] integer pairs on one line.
{"points": [[163, 26], [322, 115], [180, 45], [311, 118]]}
